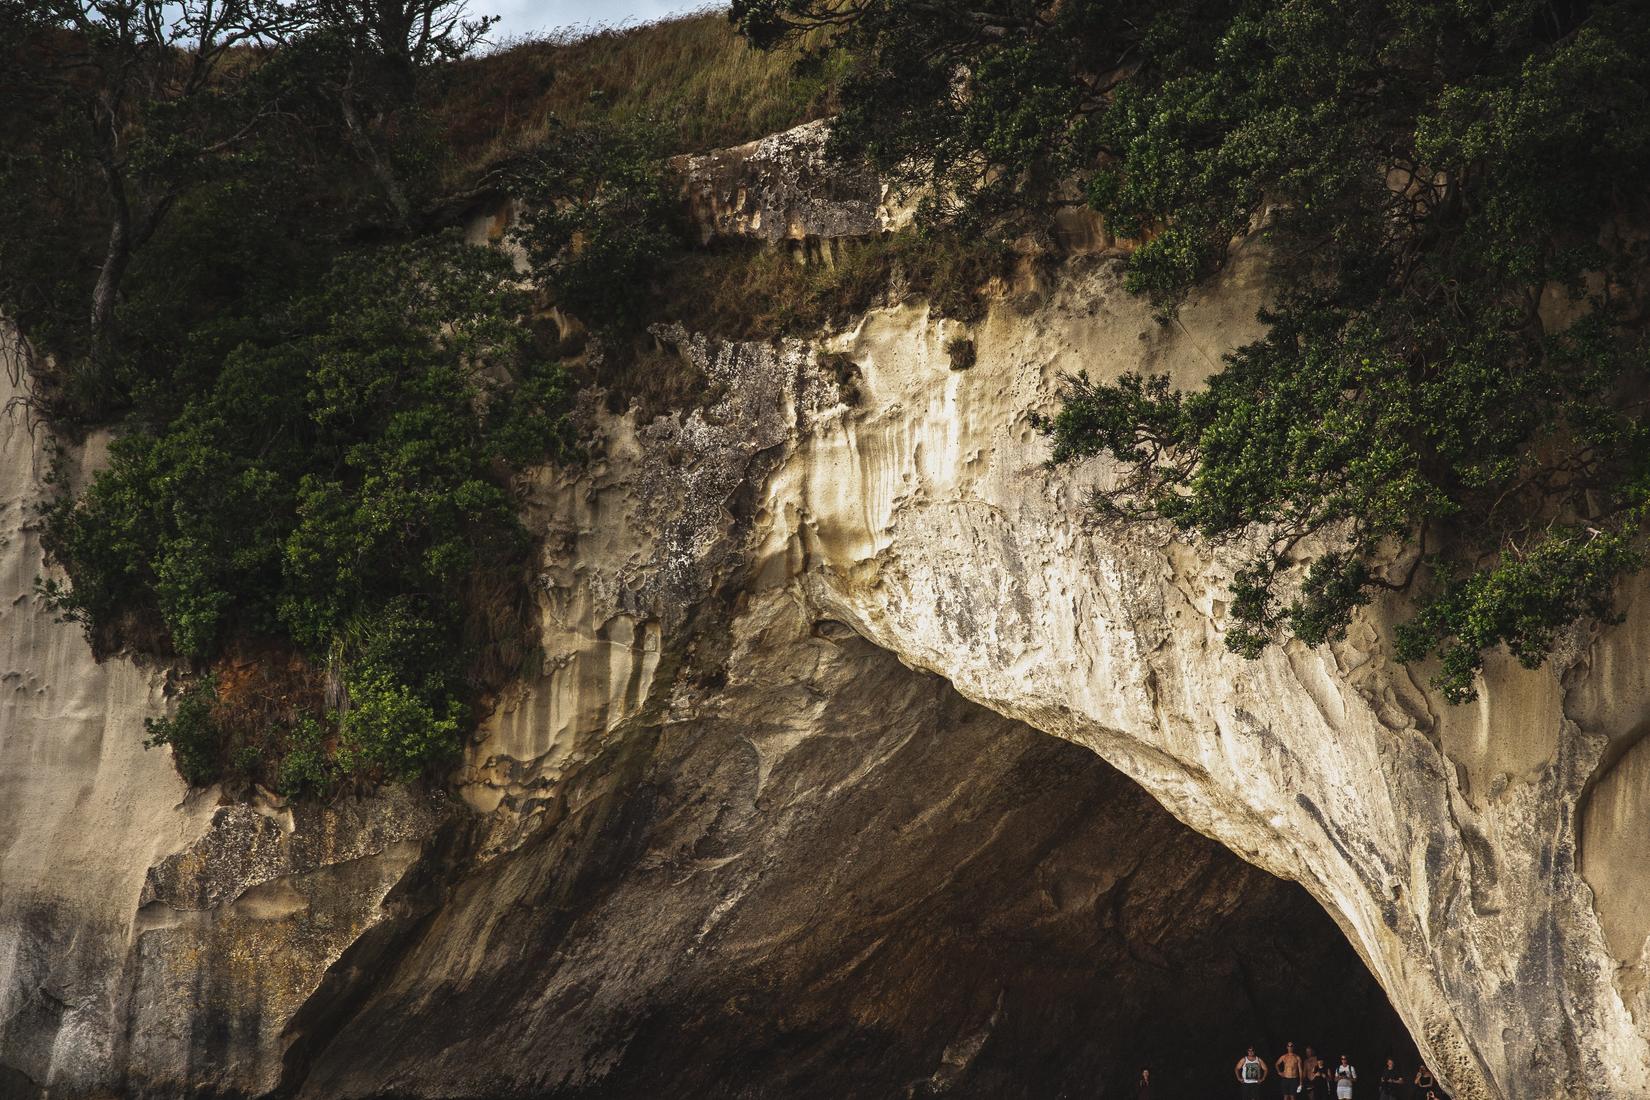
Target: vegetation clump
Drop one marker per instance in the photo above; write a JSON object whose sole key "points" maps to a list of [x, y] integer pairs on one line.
{"points": [[209, 228], [341, 485], [1450, 399]]}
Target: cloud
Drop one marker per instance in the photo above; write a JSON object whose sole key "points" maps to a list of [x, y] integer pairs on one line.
{"points": [[520, 17]]}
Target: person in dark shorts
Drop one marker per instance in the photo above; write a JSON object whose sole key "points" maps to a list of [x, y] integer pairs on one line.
{"points": [[1317, 1082], [1309, 1063], [1251, 1072], [1288, 1066], [1392, 1082]]}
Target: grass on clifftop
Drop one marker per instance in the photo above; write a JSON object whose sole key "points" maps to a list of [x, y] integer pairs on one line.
{"points": [[706, 85]]}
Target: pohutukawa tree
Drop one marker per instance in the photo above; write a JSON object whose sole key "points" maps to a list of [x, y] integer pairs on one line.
{"points": [[1450, 399], [367, 57], [140, 91], [156, 99], [309, 503]]}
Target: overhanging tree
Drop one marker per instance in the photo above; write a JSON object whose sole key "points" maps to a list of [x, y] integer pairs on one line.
{"points": [[1451, 396]]}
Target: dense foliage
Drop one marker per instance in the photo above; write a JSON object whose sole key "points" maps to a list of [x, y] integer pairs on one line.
{"points": [[1450, 398], [339, 487], [130, 127], [598, 216], [207, 233]]}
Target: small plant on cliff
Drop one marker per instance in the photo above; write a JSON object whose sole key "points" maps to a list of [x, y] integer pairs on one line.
{"points": [[190, 732], [1451, 397], [340, 487]]}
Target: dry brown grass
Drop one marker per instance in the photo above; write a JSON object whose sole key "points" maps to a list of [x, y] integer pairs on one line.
{"points": [[704, 82], [264, 685]]}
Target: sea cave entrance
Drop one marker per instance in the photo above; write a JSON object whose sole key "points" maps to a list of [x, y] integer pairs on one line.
{"points": [[832, 876]]}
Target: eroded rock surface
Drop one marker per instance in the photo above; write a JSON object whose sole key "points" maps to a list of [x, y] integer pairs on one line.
{"points": [[84, 809], [738, 833], [835, 877], [783, 187], [1443, 840]]}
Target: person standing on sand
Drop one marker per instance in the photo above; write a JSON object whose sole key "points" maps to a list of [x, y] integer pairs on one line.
{"points": [[1317, 1084], [1345, 1076], [1392, 1082], [1251, 1071], [1288, 1066]]}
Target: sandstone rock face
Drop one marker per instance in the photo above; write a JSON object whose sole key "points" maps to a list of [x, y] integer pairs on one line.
{"points": [[832, 876], [719, 847], [84, 810], [152, 942], [1443, 840], [783, 188], [781, 814]]}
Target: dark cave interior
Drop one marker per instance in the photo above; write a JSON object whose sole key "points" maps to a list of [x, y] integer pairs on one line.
{"points": [[915, 897]]}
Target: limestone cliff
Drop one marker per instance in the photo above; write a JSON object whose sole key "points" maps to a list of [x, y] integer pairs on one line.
{"points": [[814, 794]]}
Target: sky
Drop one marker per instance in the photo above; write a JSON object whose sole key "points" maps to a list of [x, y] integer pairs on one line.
{"points": [[528, 16]]}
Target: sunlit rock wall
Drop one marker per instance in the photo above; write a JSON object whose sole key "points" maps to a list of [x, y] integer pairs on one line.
{"points": [[701, 580]]}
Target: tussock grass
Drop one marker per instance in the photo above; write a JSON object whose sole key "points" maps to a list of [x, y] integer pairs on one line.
{"points": [[706, 85]]}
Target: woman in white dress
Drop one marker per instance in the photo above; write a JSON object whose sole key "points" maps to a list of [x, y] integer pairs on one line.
{"points": [[1345, 1075]]}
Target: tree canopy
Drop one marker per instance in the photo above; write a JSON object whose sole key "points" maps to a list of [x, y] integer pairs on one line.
{"points": [[1450, 396], [335, 499], [205, 228], [116, 114]]}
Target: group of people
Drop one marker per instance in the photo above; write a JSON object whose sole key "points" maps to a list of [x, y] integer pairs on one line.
{"points": [[1308, 1076]]}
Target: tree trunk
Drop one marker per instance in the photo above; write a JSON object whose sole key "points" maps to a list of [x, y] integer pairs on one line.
{"points": [[119, 251], [381, 169], [111, 273]]}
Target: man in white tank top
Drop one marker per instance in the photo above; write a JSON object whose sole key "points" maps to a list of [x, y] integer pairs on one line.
{"points": [[1251, 1071]]}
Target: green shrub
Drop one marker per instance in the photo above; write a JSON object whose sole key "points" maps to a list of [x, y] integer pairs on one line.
{"points": [[306, 766], [196, 742], [338, 485], [392, 727], [598, 215]]}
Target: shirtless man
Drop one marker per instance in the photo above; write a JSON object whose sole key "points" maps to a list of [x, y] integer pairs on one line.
{"points": [[1250, 1071], [1288, 1066], [1311, 1063]]}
